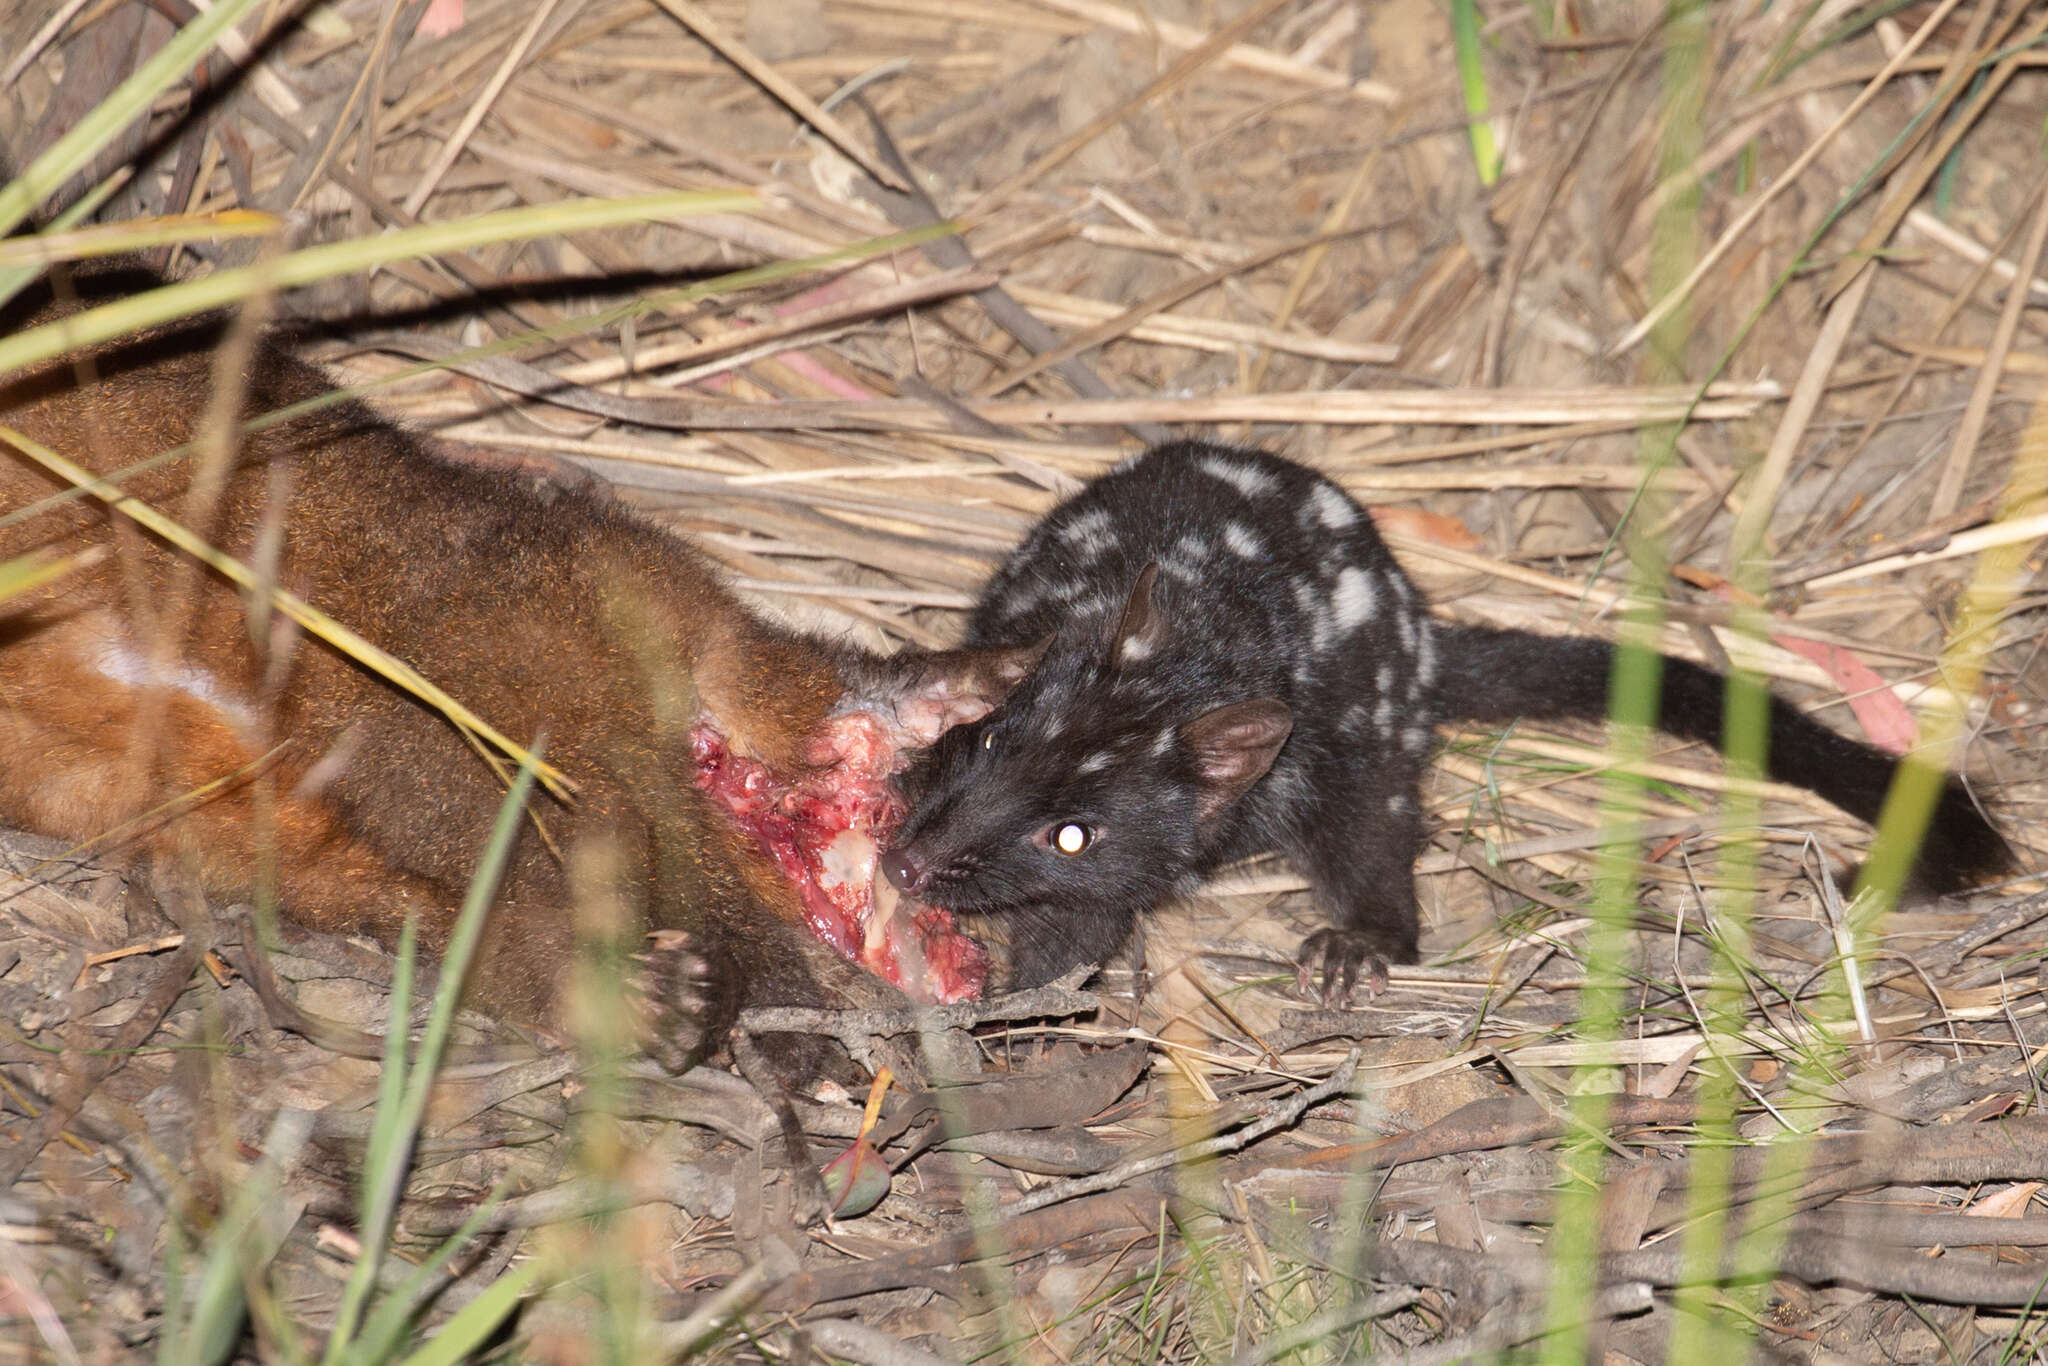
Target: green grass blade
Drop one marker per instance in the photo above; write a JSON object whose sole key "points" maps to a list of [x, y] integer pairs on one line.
{"points": [[330, 259], [104, 122], [383, 1187], [475, 1322], [392, 1072], [1472, 82], [209, 1327], [1634, 698], [387, 1322]]}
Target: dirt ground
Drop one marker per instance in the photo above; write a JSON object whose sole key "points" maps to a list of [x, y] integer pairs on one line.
{"points": [[1770, 249]]}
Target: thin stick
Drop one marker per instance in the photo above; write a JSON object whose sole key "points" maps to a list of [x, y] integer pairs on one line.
{"points": [[452, 148], [911, 293], [1949, 491], [1783, 181], [1751, 523], [1189, 63], [1129, 318], [1973, 251], [775, 83], [1206, 334], [1141, 23], [1311, 263], [35, 45], [1962, 543], [1906, 191]]}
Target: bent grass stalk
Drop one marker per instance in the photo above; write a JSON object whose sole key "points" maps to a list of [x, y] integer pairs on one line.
{"points": [[117, 239], [14, 279], [341, 637]]}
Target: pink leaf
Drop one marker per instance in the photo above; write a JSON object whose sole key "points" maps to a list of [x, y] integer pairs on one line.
{"points": [[1884, 718], [1878, 710], [442, 18]]}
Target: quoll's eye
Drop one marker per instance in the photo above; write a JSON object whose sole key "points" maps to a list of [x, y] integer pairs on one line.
{"points": [[988, 739], [1066, 837]]}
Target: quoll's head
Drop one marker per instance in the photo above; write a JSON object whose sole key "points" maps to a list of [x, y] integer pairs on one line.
{"points": [[1093, 782]]}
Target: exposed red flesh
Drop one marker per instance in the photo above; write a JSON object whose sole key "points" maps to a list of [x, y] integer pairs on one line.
{"points": [[822, 829]]}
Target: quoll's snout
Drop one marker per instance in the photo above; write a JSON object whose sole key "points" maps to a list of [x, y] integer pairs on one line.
{"points": [[905, 870]]}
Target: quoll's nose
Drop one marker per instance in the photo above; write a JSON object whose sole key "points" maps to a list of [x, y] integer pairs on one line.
{"points": [[904, 870]]}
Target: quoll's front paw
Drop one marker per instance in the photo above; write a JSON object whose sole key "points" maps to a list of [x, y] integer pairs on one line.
{"points": [[676, 1008], [1342, 956]]}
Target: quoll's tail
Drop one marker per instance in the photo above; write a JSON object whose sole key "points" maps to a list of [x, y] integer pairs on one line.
{"points": [[1497, 676]]}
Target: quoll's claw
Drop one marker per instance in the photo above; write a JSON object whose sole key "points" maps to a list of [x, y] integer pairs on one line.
{"points": [[677, 1001], [1341, 956]]}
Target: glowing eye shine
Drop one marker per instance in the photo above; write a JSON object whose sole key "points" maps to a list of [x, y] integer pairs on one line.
{"points": [[988, 739], [1071, 838]]}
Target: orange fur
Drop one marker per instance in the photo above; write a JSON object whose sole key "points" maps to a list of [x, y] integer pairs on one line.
{"points": [[543, 605]]}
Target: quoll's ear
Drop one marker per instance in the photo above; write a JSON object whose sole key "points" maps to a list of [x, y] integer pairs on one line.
{"points": [[1233, 747], [1142, 628], [940, 689]]}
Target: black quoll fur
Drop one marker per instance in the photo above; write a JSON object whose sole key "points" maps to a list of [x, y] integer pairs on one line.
{"points": [[1237, 664]]}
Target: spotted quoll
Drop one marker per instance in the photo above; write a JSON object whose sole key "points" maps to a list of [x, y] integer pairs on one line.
{"points": [[1236, 664]]}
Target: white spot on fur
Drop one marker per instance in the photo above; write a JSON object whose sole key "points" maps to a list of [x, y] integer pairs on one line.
{"points": [[1085, 524], [1131, 649], [1308, 597], [124, 664], [1398, 803], [1383, 679], [1188, 558], [1409, 637], [1332, 508], [1425, 655], [1415, 739], [1250, 482], [1243, 541], [1019, 599], [1354, 599], [1089, 533], [1094, 763], [1383, 715], [1355, 718], [1162, 744]]}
